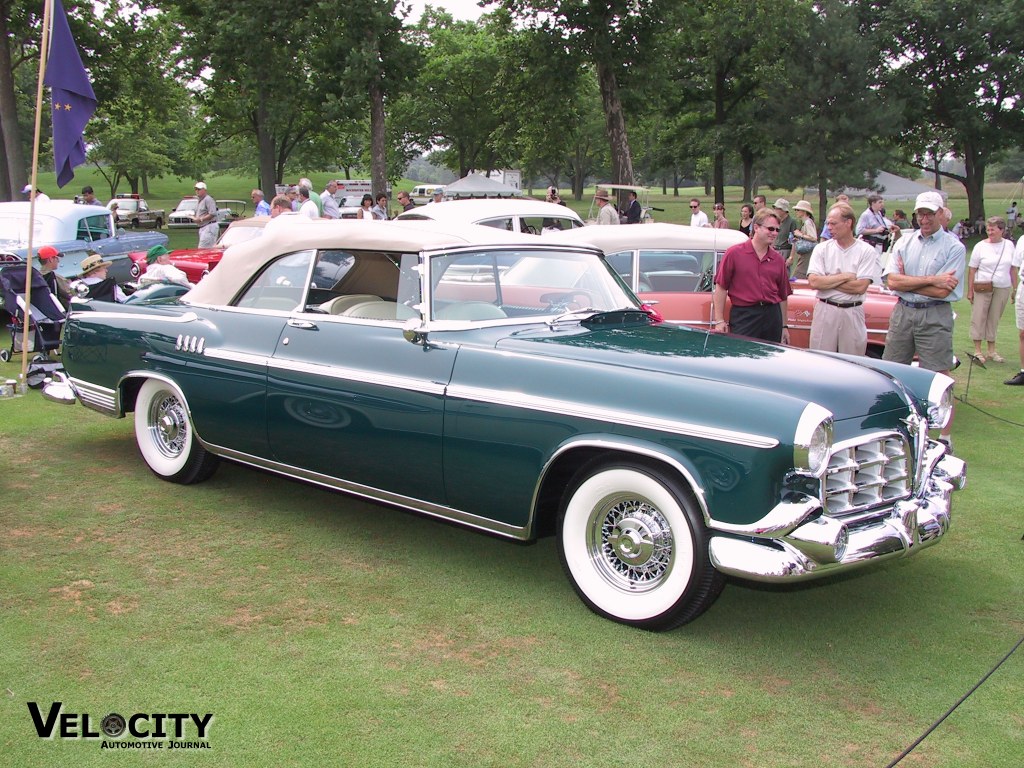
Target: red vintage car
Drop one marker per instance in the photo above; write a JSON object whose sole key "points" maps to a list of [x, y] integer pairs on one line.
{"points": [[672, 266], [198, 262]]}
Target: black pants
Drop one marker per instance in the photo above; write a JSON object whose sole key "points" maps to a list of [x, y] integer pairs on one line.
{"points": [[758, 322]]}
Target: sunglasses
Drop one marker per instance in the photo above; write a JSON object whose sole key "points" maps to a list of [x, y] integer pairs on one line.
{"points": [[695, 206], [770, 229]]}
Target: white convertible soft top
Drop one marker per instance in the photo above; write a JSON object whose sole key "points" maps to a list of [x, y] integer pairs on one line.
{"points": [[241, 261], [651, 236]]}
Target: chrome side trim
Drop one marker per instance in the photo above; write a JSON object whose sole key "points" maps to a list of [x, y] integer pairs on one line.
{"points": [[627, 418], [235, 356], [359, 375], [187, 317], [102, 399], [375, 494]]}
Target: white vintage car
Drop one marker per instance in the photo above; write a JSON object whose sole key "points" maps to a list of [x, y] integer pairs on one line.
{"points": [[520, 214]]}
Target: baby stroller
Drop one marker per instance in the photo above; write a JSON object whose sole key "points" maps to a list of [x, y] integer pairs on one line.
{"points": [[46, 316]]}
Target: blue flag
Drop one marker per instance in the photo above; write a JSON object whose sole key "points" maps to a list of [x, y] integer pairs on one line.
{"points": [[73, 97]]}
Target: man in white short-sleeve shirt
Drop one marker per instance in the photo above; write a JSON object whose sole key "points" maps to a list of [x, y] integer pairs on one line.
{"points": [[840, 271]]}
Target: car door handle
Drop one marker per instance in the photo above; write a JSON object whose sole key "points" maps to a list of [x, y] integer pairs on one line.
{"points": [[304, 324]]}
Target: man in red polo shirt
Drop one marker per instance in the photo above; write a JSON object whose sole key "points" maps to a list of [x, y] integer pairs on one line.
{"points": [[753, 275]]}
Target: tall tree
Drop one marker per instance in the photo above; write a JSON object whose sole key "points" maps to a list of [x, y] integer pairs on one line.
{"points": [[369, 64], [256, 65], [615, 36], [841, 128], [959, 67], [457, 99]]}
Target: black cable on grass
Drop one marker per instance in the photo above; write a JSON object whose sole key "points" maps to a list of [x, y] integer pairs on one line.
{"points": [[950, 711], [990, 415]]}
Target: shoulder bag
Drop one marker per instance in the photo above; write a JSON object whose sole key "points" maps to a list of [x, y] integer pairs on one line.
{"points": [[987, 287]]}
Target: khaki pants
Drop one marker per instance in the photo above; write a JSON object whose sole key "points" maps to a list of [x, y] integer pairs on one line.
{"points": [[985, 313]]}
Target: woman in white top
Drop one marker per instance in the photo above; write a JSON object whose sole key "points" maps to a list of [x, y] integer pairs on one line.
{"points": [[988, 286], [808, 233], [365, 207]]}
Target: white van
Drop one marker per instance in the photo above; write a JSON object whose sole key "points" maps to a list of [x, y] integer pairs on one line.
{"points": [[424, 193]]}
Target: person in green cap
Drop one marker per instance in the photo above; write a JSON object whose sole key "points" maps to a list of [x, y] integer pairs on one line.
{"points": [[160, 270]]}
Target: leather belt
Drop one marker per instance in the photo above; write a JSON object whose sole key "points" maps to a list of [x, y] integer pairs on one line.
{"points": [[835, 303], [921, 304]]}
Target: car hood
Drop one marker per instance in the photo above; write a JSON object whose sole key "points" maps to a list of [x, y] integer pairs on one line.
{"points": [[847, 389]]}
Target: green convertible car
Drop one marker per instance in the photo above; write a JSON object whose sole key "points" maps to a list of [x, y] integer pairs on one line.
{"points": [[530, 394]]}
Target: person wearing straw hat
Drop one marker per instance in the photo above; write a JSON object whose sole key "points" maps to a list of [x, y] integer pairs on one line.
{"points": [[804, 239], [606, 213], [101, 287], [787, 226], [160, 270]]}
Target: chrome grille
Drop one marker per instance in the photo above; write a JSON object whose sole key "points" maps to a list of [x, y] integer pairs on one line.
{"points": [[867, 474]]}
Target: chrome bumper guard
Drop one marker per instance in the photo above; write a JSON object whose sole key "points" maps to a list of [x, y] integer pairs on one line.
{"points": [[58, 389], [826, 545]]}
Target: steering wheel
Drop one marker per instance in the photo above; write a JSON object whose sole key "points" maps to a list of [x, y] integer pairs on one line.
{"points": [[707, 280], [568, 301]]}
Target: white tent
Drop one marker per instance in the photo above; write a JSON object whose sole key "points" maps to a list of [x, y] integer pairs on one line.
{"points": [[477, 185], [891, 187]]}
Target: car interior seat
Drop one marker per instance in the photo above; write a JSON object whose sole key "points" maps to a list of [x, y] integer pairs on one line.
{"points": [[339, 304]]}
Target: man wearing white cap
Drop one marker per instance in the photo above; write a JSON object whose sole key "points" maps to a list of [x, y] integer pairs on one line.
{"points": [[926, 272], [41, 197], [206, 217]]}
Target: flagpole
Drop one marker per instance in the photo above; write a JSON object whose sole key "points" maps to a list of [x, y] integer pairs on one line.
{"points": [[44, 46]]}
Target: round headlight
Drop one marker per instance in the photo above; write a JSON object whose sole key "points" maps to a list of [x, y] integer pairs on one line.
{"points": [[812, 442], [940, 402]]}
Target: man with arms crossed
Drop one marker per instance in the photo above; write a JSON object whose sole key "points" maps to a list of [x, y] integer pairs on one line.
{"points": [[926, 272], [754, 277], [841, 270]]}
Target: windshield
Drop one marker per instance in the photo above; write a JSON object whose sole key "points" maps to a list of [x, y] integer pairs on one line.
{"points": [[187, 205], [236, 235], [14, 227], [124, 204], [515, 283]]}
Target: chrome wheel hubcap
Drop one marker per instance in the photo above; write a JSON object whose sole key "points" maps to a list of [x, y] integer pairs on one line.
{"points": [[630, 543], [169, 426]]}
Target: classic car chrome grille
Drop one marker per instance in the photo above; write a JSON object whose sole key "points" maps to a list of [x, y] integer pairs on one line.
{"points": [[867, 474]]}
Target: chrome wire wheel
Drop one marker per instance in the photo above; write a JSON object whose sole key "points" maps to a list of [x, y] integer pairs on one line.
{"points": [[168, 425], [630, 542], [166, 437], [634, 545]]}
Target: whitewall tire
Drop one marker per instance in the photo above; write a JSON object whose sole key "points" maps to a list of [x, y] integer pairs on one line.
{"points": [[166, 438], [635, 546]]}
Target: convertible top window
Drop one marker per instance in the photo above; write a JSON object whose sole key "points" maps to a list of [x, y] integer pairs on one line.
{"points": [[501, 283]]}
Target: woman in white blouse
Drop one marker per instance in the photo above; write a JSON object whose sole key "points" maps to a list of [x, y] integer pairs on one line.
{"points": [[988, 286]]}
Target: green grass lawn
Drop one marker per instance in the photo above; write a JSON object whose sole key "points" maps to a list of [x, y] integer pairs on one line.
{"points": [[320, 629]]}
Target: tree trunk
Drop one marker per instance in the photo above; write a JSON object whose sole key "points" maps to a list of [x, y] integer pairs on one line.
{"points": [[822, 199], [747, 157], [5, 181], [378, 152], [16, 176], [145, 185], [615, 125], [265, 148], [975, 164]]}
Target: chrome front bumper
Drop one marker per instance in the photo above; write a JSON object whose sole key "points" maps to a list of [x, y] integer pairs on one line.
{"points": [[824, 545]]}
